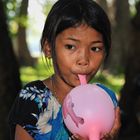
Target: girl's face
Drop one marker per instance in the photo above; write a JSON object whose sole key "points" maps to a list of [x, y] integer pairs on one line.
{"points": [[79, 50]]}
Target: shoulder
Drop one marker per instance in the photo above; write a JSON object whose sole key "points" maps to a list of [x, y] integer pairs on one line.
{"points": [[34, 88], [35, 84], [36, 94]]}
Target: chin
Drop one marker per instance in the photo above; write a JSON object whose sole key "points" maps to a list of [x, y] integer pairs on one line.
{"points": [[77, 83]]}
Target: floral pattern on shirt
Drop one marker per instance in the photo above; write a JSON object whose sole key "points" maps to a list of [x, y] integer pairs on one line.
{"points": [[46, 112]]}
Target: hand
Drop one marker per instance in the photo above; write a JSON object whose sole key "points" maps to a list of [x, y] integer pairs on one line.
{"points": [[115, 130]]}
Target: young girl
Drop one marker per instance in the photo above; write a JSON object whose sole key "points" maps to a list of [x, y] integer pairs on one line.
{"points": [[77, 37]]}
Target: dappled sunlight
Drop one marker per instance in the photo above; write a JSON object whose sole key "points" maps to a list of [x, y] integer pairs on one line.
{"points": [[39, 72]]}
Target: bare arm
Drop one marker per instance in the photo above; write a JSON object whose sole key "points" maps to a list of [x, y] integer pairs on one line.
{"points": [[21, 134]]}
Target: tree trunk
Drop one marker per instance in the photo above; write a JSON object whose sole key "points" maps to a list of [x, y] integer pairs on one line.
{"points": [[9, 75], [130, 94], [103, 4], [25, 58], [120, 36]]}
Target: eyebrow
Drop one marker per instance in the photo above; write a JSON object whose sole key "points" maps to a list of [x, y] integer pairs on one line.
{"points": [[76, 40], [73, 39], [97, 41]]}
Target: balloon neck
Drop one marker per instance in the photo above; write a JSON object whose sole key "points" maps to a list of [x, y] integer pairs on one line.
{"points": [[94, 136], [82, 79]]}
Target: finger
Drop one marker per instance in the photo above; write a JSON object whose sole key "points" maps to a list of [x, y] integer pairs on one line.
{"points": [[107, 137], [75, 137]]}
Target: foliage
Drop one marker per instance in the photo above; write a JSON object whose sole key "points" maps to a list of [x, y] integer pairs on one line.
{"points": [[39, 71], [12, 9], [47, 6]]}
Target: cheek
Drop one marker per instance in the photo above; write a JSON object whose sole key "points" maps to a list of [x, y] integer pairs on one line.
{"points": [[63, 62], [98, 60]]}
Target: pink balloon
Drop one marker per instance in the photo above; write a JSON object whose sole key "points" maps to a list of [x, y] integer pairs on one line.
{"points": [[88, 110]]}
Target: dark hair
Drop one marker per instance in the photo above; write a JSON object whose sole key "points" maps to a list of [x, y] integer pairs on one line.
{"points": [[71, 13]]}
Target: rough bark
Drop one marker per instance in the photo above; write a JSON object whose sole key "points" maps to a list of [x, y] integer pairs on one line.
{"points": [[24, 56], [120, 37]]}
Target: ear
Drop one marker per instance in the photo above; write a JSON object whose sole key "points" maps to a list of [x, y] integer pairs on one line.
{"points": [[47, 49]]}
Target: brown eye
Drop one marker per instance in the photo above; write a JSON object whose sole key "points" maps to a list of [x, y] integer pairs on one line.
{"points": [[96, 49], [70, 47]]}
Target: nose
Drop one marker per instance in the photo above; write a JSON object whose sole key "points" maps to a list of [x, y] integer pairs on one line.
{"points": [[83, 62], [83, 59]]}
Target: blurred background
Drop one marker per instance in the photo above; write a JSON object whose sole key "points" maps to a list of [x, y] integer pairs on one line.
{"points": [[21, 60]]}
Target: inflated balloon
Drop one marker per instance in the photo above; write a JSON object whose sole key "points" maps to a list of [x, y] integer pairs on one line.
{"points": [[89, 110]]}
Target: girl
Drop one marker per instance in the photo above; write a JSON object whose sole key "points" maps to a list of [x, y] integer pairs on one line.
{"points": [[77, 37]]}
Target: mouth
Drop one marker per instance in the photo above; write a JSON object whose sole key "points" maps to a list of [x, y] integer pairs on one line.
{"points": [[82, 78]]}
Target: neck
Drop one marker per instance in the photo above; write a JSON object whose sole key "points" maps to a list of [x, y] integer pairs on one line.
{"points": [[59, 88], [60, 85]]}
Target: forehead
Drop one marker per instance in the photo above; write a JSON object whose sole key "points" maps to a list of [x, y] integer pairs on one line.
{"points": [[82, 32]]}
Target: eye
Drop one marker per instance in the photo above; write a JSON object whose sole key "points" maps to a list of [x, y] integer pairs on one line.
{"points": [[96, 49], [70, 47]]}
